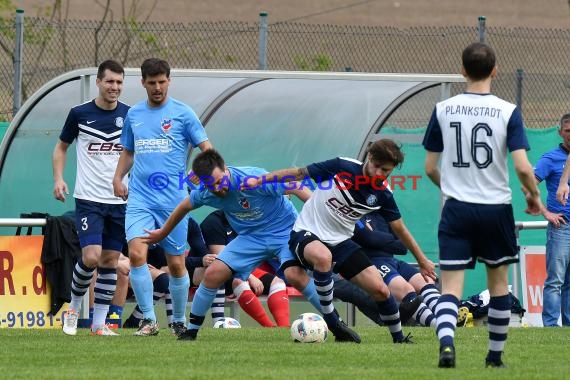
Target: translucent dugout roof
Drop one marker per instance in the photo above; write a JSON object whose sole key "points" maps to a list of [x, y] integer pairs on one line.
{"points": [[254, 118]]}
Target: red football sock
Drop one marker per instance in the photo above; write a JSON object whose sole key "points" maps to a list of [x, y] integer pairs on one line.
{"points": [[252, 306], [278, 303]]}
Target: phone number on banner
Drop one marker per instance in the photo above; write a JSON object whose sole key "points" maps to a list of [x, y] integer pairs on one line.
{"points": [[27, 319]]}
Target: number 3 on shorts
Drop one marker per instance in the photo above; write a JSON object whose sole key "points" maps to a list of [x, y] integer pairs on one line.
{"points": [[84, 225]]}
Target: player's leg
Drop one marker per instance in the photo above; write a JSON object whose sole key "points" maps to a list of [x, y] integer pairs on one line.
{"points": [[160, 287], [82, 278], [446, 314], [89, 225], [406, 296], [312, 253], [297, 277], [407, 288], [427, 290], [320, 259], [429, 295], [174, 246], [498, 249], [237, 258], [160, 291], [141, 283], [359, 270], [178, 286], [346, 291], [136, 221], [249, 302], [106, 283], [277, 297], [455, 236], [405, 293], [122, 289], [219, 303], [104, 290], [499, 314], [218, 308]]}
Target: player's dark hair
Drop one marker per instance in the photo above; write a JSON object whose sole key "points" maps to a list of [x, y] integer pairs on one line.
{"points": [[564, 120], [110, 65], [386, 151], [205, 163], [478, 60], [155, 66]]}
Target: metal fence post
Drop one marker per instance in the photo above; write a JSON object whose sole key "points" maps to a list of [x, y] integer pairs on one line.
{"points": [[18, 50], [519, 89], [482, 29], [262, 65]]}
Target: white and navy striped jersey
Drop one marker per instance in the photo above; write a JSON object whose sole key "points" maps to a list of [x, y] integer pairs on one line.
{"points": [[339, 201], [473, 133], [98, 133]]}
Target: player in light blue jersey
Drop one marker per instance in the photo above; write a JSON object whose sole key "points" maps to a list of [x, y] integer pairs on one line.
{"points": [[349, 189], [100, 215], [261, 217], [469, 135], [157, 135]]}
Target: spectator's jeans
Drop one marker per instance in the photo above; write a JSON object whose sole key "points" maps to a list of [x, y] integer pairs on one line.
{"points": [[556, 294]]}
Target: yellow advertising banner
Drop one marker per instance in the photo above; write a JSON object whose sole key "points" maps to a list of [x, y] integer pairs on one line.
{"points": [[24, 292]]}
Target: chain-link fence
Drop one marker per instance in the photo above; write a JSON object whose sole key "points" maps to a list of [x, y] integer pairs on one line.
{"points": [[52, 48]]}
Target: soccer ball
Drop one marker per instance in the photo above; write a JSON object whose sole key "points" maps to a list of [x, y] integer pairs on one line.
{"points": [[309, 328], [227, 323]]}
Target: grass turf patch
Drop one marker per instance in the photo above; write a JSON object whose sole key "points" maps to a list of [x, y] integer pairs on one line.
{"points": [[260, 353]]}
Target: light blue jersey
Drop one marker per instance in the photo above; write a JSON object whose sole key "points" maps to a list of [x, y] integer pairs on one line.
{"points": [[263, 212], [160, 138]]}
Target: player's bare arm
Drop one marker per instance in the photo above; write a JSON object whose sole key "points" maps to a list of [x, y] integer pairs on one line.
{"points": [[179, 213], [60, 189], [563, 189], [123, 166], [427, 267], [205, 145], [526, 176], [303, 193], [281, 175], [555, 219], [431, 167]]}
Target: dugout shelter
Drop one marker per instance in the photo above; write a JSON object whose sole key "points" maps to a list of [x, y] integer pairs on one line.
{"points": [[271, 119]]}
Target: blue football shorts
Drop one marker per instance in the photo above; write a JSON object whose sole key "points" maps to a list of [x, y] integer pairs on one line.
{"points": [[100, 224], [246, 252], [390, 268], [470, 232], [137, 220]]}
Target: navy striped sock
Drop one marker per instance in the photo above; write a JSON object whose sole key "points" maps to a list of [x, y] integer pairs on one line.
{"points": [[499, 316], [324, 285], [105, 286], [430, 296], [82, 276], [446, 314], [391, 317]]}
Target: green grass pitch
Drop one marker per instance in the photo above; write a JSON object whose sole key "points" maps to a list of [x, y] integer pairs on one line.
{"points": [[258, 353]]}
